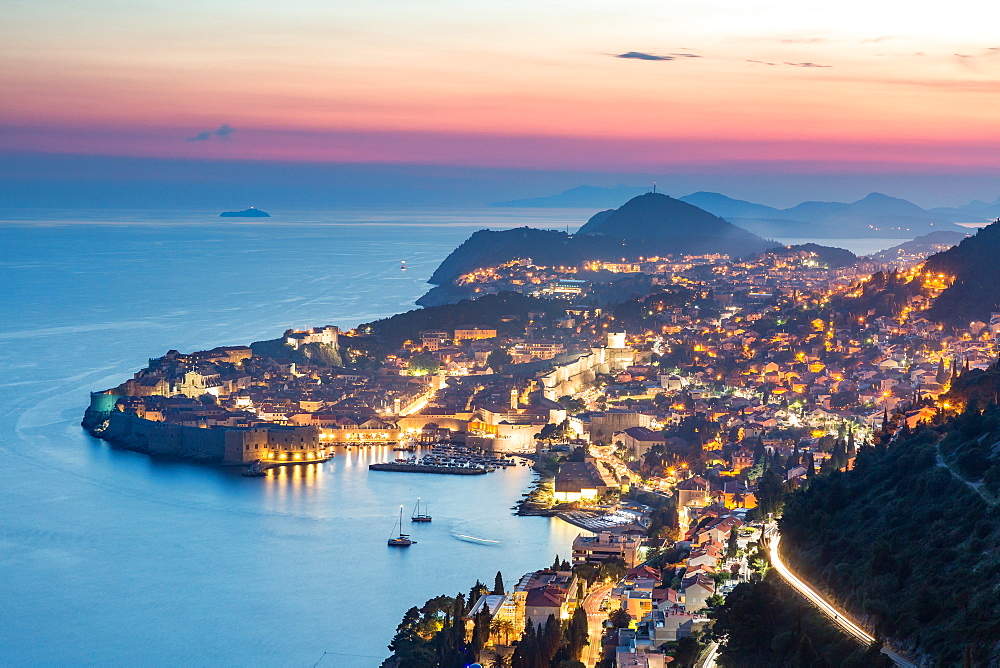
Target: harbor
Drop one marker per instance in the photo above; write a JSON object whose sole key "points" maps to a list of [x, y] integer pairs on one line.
{"points": [[447, 459]]}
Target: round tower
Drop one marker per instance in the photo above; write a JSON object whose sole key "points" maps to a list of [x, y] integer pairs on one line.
{"points": [[101, 402]]}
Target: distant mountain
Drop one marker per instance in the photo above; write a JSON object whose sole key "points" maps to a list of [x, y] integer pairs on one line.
{"points": [[926, 245], [874, 216], [972, 212], [590, 197], [245, 213], [975, 292], [729, 208], [872, 204], [645, 225], [777, 228]]}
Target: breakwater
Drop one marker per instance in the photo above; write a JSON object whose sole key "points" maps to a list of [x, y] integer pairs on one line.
{"points": [[422, 468]]}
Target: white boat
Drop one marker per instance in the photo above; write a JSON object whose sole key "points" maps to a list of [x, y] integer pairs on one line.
{"points": [[417, 516]]}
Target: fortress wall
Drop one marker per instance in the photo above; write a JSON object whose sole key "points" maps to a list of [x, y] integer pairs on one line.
{"points": [[161, 438], [573, 376], [219, 445]]}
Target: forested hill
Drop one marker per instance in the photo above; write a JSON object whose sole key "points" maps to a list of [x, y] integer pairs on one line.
{"points": [[975, 292], [904, 544], [488, 248], [658, 218], [646, 225]]}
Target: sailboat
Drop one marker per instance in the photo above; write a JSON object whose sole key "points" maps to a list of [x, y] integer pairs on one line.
{"points": [[403, 539], [417, 517]]}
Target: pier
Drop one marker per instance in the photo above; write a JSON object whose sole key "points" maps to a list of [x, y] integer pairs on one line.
{"points": [[427, 468]]}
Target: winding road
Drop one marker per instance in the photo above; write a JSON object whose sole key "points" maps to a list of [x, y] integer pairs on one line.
{"points": [[838, 616]]}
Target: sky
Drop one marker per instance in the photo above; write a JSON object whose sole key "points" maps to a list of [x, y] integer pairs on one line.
{"points": [[604, 87]]}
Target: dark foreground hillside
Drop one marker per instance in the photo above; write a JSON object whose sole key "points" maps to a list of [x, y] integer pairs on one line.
{"points": [[766, 624], [905, 545], [975, 293]]}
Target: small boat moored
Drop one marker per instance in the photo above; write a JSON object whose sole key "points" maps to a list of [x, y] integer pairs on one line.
{"points": [[403, 539], [417, 516]]}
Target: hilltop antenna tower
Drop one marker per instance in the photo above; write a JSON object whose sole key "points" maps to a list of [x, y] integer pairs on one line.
{"points": [[654, 187]]}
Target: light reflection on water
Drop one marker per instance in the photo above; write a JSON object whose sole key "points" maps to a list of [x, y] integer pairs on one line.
{"points": [[113, 557]]}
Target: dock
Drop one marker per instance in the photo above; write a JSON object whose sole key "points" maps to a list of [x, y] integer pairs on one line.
{"points": [[426, 468]]}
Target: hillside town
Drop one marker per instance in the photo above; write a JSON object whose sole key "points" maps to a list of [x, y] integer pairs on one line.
{"points": [[664, 426]]}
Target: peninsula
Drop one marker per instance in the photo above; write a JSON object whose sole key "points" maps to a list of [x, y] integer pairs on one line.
{"points": [[672, 405]]}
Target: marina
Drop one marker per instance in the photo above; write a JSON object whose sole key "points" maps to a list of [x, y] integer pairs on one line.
{"points": [[447, 459]]}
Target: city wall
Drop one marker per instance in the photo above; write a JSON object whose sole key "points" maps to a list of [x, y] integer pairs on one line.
{"points": [[570, 377], [222, 445]]}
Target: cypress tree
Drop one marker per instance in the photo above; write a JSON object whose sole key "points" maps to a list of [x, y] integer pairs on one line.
{"points": [[550, 640], [477, 590], [577, 634], [527, 648], [733, 546], [498, 584]]}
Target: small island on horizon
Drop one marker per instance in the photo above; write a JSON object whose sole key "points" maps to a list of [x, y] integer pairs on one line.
{"points": [[252, 212]]}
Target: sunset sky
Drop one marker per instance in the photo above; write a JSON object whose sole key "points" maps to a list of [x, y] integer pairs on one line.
{"points": [[845, 86]]}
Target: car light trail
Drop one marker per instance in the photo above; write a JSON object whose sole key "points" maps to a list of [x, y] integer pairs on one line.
{"points": [[816, 599]]}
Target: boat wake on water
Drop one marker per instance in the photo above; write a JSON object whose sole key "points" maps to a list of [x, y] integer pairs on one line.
{"points": [[473, 539]]}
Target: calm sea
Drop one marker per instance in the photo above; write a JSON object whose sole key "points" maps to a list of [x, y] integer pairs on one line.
{"points": [[112, 557]]}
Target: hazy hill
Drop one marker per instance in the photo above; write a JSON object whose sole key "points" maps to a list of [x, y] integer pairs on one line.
{"points": [[728, 208], [973, 211], [975, 292], [927, 244], [827, 256], [782, 228], [873, 216], [872, 204], [591, 197]]}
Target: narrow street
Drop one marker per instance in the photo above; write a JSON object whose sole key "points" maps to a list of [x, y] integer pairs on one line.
{"points": [[595, 623]]}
